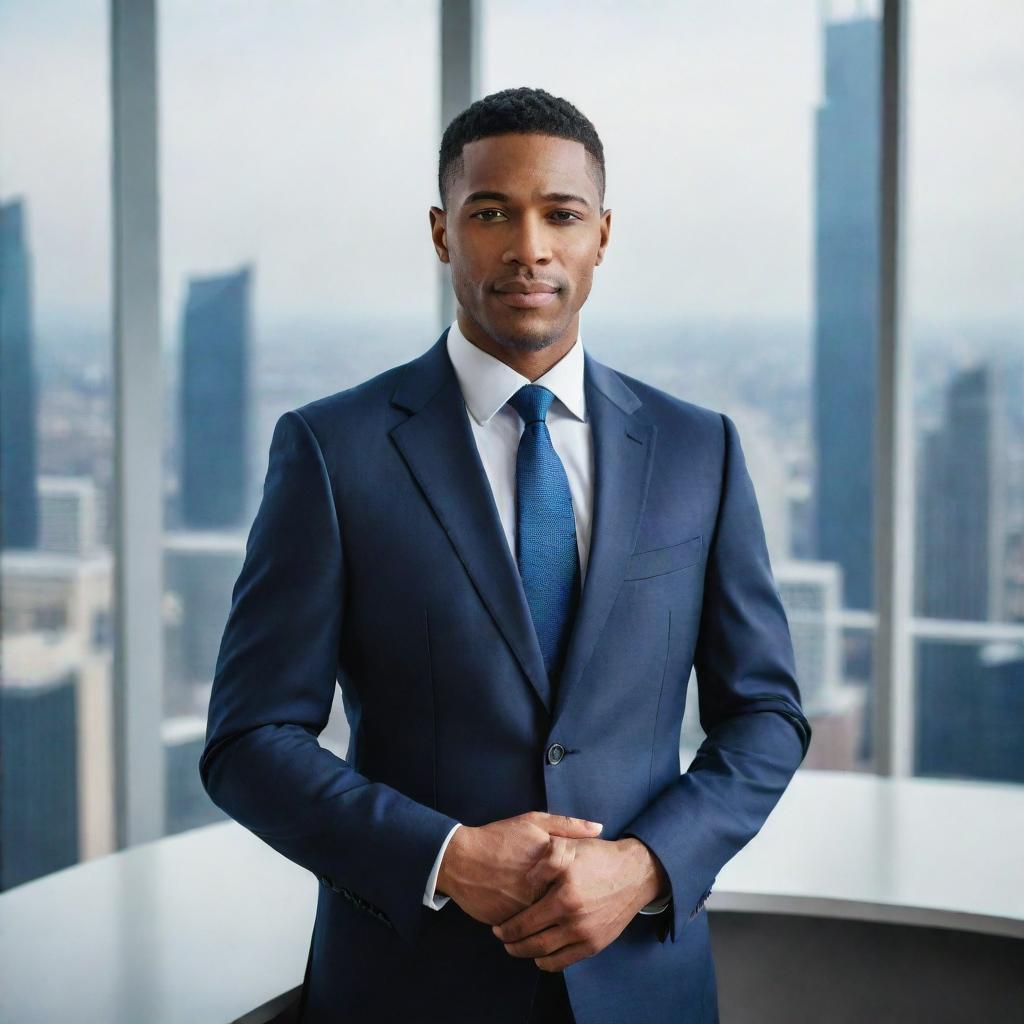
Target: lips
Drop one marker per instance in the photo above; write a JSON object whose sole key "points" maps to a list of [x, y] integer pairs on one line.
{"points": [[526, 294], [526, 300]]}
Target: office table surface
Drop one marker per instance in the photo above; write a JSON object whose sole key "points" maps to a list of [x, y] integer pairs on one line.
{"points": [[204, 926]]}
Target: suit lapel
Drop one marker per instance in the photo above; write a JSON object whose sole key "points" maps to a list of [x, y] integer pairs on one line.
{"points": [[437, 444], [623, 449]]}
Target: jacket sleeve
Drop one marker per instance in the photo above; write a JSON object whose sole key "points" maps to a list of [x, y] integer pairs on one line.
{"points": [[749, 702], [273, 686]]}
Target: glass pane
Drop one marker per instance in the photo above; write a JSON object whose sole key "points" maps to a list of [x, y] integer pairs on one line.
{"points": [[970, 707], [56, 446], [965, 316], [741, 273], [297, 262]]}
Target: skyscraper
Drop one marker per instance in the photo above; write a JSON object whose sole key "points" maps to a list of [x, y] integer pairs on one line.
{"points": [[38, 785], [71, 514], [969, 704], [215, 401], [846, 302], [200, 569], [19, 502], [961, 507], [56, 613]]}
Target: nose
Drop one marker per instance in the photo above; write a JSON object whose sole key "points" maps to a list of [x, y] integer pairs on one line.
{"points": [[530, 243]]}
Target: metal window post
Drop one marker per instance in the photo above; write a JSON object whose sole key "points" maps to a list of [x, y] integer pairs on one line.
{"points": [[894, 493], [460, 85], [138, 638]]}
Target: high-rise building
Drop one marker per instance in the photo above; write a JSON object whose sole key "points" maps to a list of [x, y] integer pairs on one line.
{"points": [[1001, 714], [200, 570], [214, 428], [846, 302], [56, 612], [39, 813], [969, 709], [961, 534], [71, 514], [811, 594], [19, 513], [186, 802]]}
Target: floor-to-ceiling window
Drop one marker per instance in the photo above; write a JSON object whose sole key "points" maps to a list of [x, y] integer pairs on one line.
{"points": [[298, 161], [742, 151], [965, 322], [56, 440]]}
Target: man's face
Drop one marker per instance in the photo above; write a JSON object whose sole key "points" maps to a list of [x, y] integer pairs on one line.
{"points": [[524, 214]]}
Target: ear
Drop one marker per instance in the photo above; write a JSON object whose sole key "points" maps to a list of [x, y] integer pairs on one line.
{"points": [[438, 232], [606, 230]]}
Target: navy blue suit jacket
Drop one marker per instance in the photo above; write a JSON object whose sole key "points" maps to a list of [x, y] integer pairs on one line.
{"points": [[377, 561]]}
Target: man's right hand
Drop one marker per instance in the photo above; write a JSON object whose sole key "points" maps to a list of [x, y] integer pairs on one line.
{"points": [[484, 868]]}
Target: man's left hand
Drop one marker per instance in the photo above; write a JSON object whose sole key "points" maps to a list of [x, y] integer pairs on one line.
{"points": [[596, 887]]}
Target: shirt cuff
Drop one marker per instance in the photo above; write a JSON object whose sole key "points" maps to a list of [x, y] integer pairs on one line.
{"points": [[429, 899]]}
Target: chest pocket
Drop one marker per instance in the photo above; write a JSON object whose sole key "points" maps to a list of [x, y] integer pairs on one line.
{"points": [[659, 561]]}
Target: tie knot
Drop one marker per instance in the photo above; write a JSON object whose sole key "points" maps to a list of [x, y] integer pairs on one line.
{"points": [[532, 402]]}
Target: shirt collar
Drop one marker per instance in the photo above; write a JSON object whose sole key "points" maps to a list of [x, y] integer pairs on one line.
{"points": [[487, 383]]}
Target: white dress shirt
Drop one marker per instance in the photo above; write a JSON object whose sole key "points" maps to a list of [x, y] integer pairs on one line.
{"points": [[487, 384]]}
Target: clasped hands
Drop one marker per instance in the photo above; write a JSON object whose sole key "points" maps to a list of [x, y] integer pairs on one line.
{"points": [[549, 886]]}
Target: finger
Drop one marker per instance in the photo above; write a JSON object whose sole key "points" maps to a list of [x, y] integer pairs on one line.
{"points": [[563, 825], [544, 943], [542, 914], [536, 882], [564, 957], [553, 863], [540, 875]]}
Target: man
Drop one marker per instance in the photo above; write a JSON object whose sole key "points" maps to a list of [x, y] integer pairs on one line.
{"points": [[510, 556]]}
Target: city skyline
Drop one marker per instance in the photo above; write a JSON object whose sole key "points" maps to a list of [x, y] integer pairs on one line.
{"points": [[744, 229], [796, 373]]}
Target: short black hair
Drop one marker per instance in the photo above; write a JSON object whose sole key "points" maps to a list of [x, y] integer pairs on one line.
{"points": [[515, 110]]}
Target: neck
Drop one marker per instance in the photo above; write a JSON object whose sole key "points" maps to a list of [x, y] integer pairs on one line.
{"points": [[530, 363]]}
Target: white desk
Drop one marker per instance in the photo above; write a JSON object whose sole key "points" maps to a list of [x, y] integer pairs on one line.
{"points": [[199, 928], [918, 851], [203, 927]]}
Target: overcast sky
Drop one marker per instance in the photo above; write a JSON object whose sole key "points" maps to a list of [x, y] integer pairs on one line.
{"points": [[303, 137]]}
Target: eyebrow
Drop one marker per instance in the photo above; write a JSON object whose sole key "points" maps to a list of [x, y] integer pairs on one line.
{"points": [[500, 197]]}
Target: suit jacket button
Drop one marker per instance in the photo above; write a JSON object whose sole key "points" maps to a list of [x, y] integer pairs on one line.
{"points": [[555, 753]]}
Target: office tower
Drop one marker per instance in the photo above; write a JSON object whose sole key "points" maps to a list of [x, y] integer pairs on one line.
{"points": [[969, 713], [70, 516], [38, 781], [846, 302], [56, 611], [187, 804], [1000, 702], [767, 467], [214, 428], [961, 505], [811, 594], [1014, 574], [200, 570], [1011, 374], [970, 710], [799, 509], [19, 515]]}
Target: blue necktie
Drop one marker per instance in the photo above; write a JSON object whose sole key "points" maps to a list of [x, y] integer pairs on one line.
{"points": [[545, 529]]}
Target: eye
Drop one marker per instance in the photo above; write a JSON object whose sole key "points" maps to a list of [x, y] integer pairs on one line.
{"points": [[570, 216]]}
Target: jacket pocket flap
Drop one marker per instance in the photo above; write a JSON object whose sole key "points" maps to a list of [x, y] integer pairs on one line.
{"points": [[658, 561]]}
